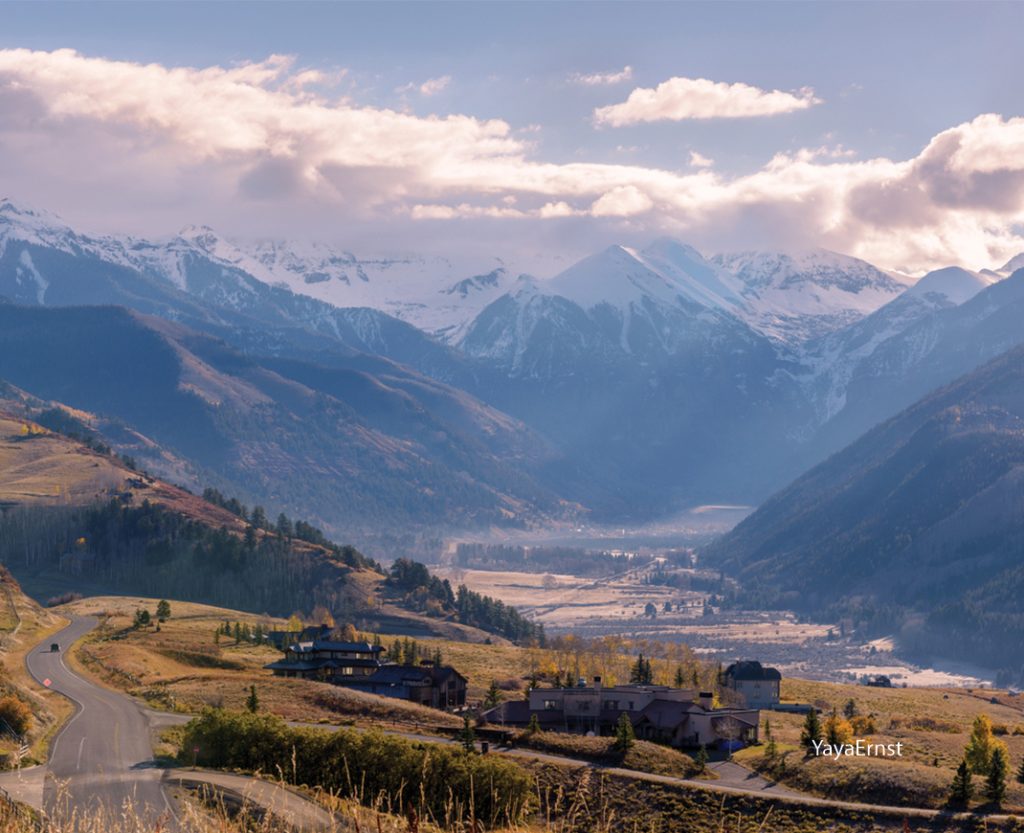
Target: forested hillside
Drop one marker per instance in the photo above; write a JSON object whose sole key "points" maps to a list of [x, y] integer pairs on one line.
{"points": [[916, 528], [76, 517]]}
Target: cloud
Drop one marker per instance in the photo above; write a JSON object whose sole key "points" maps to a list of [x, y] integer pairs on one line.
{"points": [[699, 160], [433, 86], [267, 148], [602, 79], [698, 98]]}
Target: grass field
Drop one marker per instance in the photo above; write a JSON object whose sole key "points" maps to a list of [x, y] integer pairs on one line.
{"points": [[932, 723]]}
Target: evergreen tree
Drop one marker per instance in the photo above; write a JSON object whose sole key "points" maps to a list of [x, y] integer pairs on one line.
{"points": [[625, 737], [533, 726], [770, 747], [1020, 772], [216, 636], [850, 709], [702, 759], [467, 737], [252, 702], [961, 790], [163, 610], [811, 731], [680, 680], [995, 783], [493, 696]]}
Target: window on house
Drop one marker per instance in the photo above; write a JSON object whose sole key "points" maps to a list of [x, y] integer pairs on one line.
{"points": [[347, 672], [550, 705], [611, 705]]}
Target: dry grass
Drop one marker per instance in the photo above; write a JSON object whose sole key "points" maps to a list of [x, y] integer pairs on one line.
{"points": [[26, 625], [932, 724], [182, 668], [644, 756]]}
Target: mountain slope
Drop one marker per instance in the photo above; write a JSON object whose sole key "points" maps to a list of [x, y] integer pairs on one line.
{"points": [[644, 375], [798, 297], [915, 519], [343, 447], [188, 279]]}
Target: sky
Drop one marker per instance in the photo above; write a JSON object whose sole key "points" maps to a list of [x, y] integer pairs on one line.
{"points": [[894, 132]]}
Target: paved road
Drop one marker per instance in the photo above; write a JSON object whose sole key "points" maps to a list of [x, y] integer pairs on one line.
{"points": [[102, 759], [298, 813]]}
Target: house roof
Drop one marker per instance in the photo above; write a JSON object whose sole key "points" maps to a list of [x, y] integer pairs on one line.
{"points": [[751, 669], [330, 645], [517, 713]]}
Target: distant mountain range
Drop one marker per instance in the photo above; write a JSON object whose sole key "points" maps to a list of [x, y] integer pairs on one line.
{"points": [[430, 393]]}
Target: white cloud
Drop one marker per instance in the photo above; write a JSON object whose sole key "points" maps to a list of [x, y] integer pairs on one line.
{"points": [[699, 160], [623, 201], [254, 145], [602, 79], [699, 98], [433, 86]]}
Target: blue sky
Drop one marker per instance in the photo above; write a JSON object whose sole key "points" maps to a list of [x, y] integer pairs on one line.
{"points": [[886, 80]]}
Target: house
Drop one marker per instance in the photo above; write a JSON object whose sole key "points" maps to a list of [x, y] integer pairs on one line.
{"points": [[679, 717], [358, 665], [879, 681], [437, 686], [282, 639], [325, 659], [757, 685]]}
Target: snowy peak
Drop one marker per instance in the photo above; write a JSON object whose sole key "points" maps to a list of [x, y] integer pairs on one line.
{"points": [[667, 273], [795, 297], [29, 225], [954, 283], [1012, 265]]}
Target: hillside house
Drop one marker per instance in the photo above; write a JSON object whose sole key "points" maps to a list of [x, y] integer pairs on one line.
{"points": [[679, 717], [440, 687], [757, 685], [359, 665], [282, 639], [325, 659]]}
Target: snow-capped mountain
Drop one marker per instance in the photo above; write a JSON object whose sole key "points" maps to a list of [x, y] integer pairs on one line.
{"points": [[800, 296], [954, 283]]}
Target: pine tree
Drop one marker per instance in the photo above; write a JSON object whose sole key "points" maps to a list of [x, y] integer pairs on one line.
{"points": [[252, 702], [533, 726], [493, 696], [995, 783], [812, 730], [850, 709], [701, 759], [467, 737], [163, 610], [961, 790], [625, 737], [216, 636], [680, 680], [770, 748], [1020, 772]]}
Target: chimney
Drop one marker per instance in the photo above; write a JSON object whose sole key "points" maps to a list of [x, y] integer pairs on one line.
{"points": [[597, 683], [706, 700]]}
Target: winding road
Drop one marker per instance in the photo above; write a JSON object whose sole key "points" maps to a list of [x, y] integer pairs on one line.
{"points": [[101, 761]]}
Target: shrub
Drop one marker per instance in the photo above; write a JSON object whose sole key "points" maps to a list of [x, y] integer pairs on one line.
{"points": [[863, 725], [444, 783], [15, 713]]}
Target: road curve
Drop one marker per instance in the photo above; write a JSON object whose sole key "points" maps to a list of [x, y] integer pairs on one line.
{"points": [[102, 760]]}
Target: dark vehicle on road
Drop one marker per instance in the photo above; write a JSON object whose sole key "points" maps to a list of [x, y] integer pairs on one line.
{"points": [[54, 647]]}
